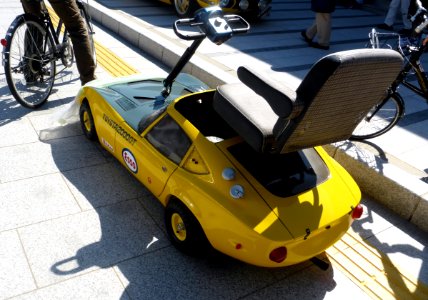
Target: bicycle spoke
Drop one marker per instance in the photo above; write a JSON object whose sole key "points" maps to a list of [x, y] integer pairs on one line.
{"points": [[30, 63]]}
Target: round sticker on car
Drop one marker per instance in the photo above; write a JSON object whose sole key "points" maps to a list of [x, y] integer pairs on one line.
{"points": [[130, 160]]}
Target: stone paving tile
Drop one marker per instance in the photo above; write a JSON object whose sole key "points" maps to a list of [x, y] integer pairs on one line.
{"points": [[40, 158], [15, 275], [157, 276], [405, 248], [17, 132], [323, 285], [104, 184], [101, 284], [33, 200], [70, 246]]}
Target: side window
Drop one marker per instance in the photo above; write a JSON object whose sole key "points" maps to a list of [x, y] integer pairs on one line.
{"points": [[169, 139]]}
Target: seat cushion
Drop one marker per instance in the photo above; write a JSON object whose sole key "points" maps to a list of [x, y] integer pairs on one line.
{"points": [[248, 113]]}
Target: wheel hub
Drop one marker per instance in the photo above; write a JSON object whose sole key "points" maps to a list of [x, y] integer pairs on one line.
{"points": [[178, 227]]}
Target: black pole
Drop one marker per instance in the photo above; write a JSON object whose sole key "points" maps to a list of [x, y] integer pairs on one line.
{"points": [[185, 58]]}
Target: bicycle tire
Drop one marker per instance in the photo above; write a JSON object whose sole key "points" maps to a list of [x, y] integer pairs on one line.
{"points": [[388, 113], [89, 29], [29, 61]]}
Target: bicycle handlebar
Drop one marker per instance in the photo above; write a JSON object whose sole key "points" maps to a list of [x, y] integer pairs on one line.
{"points": [[420, 11]]}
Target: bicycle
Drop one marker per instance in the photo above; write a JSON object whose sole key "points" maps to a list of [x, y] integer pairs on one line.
{"points": [[387, 113], [31, 48]]}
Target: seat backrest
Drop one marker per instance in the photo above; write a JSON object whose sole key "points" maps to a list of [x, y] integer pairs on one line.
{"points": [[329, 103], [336, 94]]}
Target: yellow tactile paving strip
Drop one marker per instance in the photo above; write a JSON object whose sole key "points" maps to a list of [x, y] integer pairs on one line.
{"points": [[110, 62], [359, 261], [373, 271]]}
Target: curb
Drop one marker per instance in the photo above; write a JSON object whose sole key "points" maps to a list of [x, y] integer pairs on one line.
{"points": [[394, 188], [402, 192]]}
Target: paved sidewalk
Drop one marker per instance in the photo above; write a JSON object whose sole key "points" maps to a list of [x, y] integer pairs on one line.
{"points": [[74, 224]]}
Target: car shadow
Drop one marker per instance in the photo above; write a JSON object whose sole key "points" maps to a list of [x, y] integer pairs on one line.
{"points": [[130, 238]]}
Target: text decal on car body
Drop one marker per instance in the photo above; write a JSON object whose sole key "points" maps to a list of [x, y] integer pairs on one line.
{"points": [[130, 160], [122, 132]]}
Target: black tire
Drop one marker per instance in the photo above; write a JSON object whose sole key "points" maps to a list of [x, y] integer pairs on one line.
{"points": [[185, 8], [386, 115], [184, 230], [29, 62], [87, 122]]}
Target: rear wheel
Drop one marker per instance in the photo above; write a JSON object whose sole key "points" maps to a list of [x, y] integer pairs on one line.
{"points": [[29, 62], [381, 118], [184, 230]]}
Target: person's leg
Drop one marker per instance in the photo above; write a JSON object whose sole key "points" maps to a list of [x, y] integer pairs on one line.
{"points": [[33, 41], [311, 31], [69, 13], [31, 7], [392, 11], [324, 28], [404, 11]]}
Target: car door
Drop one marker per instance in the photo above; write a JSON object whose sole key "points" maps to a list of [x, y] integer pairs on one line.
{"points": [[157, 153]]}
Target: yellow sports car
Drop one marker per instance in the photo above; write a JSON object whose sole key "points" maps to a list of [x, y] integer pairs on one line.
{"points": [[189, 146], [251, 9]]}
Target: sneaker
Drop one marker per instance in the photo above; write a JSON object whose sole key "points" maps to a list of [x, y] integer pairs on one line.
{"points": [[385, 27], [318, 46]]}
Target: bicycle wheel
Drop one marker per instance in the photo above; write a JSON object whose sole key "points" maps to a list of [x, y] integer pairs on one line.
{"points": [[29, 61], [381, 118], [89, 29]]}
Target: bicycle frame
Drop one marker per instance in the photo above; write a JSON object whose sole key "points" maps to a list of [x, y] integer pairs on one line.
{"points": [[412, 63], [415, 64], [54, 33]]}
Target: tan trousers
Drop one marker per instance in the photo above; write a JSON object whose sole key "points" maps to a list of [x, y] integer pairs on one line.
{"points": [[69, 13], [321, 28]]}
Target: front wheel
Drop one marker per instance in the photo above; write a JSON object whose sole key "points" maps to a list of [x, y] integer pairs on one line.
{"points": [[29, 61], [381, 118], [87, 121], [184, 230]]}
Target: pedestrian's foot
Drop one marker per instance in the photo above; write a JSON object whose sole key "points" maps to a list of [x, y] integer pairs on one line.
{"points": [[385, 27], [305, 37], [318, 46], [405, 31]]}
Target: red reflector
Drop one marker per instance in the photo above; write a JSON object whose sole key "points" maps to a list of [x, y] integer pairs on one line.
{"points": [[278, 255], [3, 42], [357, 212]]}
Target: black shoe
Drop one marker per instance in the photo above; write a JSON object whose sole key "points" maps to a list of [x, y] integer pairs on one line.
{"points": [[305, 37], [405, 31], [318, 46], [385, 27]]}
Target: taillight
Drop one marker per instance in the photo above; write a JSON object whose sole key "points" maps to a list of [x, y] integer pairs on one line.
{"points": [[278, 255], [3, 42], [357, 212]]}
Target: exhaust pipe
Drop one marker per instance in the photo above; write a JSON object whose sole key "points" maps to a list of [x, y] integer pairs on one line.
{"points": [[320, 263]]}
